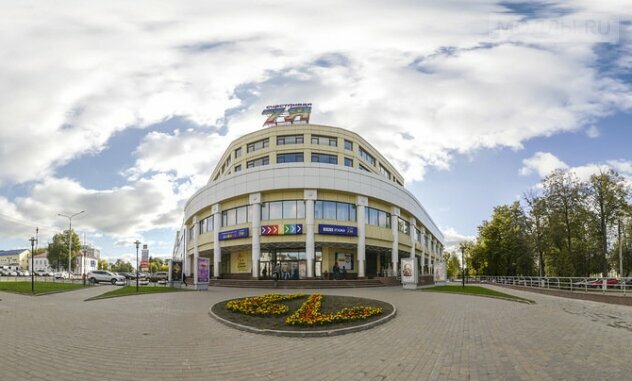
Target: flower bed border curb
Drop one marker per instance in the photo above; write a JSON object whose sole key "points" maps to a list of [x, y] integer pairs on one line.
{"points": [[315, 333]]}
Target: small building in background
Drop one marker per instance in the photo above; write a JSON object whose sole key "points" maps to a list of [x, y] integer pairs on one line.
{"points": [[40, 262], [15, 259]]}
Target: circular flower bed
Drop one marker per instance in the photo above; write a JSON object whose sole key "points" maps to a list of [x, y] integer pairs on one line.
{"points": [[301, 312]]}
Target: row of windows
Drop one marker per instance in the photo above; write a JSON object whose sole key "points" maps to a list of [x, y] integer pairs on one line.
{"points": [[378, 218], [258, 162], [294, 157], [207, 225], [367, 156], [235, 216], [325, 140], [333, 210], [277, 210], [259, 144], [295, 209]]}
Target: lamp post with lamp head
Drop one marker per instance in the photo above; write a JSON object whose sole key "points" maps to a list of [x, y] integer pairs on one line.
{"points": [[70, 236], [33, 240], [137, 243]]}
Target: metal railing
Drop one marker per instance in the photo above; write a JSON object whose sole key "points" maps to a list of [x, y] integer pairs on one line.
{"points": [[619, 286]]}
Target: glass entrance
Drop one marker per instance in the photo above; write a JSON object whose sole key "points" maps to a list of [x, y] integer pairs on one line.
{"points": [[292, 264]]}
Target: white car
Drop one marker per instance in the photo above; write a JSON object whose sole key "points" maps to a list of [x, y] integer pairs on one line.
{"points": [[97, 276], [62, 275]]}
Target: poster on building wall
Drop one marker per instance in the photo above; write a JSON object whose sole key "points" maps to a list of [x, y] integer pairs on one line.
{"points": [[203, 270], [176, 271], [344, 260], [440, 273], [409, 272], [242, 265]]}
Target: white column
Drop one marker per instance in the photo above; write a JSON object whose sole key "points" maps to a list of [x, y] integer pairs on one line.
{"points": [[196, 250], [422, 247], [361, 204], [217, 249], [255, 205], [310, 195], [413, 233], [395, 247]]}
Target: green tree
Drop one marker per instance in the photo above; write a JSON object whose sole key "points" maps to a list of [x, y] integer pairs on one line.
{"points": [[103, 264], [565, 198], [503, 244], [607, 200], [453, 266], [58, 249], [538, 226], [121, 266]]}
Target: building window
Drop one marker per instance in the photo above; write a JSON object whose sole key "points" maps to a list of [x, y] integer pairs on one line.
{"points": [[378, 218], [367, 156], [277, 210], [403, 226], [235, 216], [206, 225], [385, 172], [332, 210], [191, 233], [295, 157], [324, 158], [237, 152], [258, 162], [290, 139], [325, 140], [238, 168], [348, 162], [348, 145], [260, 144]]}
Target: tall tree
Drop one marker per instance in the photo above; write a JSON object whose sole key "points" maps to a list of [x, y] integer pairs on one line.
{"points": [[607, 200], [565, 198], [537, 224], [58, 250]]}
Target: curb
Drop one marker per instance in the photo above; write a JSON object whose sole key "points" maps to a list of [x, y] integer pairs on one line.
{"points": [[98, 297], [321, 333], [524, 301]]}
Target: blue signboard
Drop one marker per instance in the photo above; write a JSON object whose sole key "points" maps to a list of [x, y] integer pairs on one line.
{"points": [[234, 234], [337, 230]]}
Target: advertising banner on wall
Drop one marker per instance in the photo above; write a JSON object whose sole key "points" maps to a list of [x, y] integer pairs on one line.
{"points": [[344, 260], [409, 272], [234, 234], [176, 271], [337, 230], [440, 273], [287, 229], [203, 270]]}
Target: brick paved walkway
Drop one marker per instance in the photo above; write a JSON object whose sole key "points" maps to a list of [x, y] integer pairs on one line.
{"points": [[435, 337]]}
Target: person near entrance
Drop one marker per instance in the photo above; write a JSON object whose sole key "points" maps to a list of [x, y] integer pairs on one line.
{"points": [[344, 272], [336, 270], [265, 271], [276, 272]]}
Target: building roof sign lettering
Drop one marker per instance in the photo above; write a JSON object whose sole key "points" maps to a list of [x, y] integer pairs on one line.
{"points": [[287, 114]]}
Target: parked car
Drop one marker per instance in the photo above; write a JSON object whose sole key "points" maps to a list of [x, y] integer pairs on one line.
{"points": [[610, 282], [25, 273], [157, 276], [97, 276], [62, 275], [4, 272]]}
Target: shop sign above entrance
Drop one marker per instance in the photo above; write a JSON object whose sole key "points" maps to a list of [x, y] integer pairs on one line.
{"points": [[337, 230], [233, 234], [287, 229]]}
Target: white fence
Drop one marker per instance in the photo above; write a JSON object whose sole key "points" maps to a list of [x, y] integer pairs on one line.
{"points": [[573, 284]]}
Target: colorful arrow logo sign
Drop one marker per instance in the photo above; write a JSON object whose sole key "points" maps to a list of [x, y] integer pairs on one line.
{"points": [[287, 229]]}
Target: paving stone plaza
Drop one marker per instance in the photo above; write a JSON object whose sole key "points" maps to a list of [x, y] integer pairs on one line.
{"points": [[434, 337]]}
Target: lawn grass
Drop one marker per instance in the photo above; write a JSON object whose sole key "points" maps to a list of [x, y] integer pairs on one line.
{"points": [[131, 290], [40, 287], [330, 303], [476, 290]]}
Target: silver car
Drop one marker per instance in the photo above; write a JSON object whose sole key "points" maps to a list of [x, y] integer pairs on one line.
{"points": [[97, 276]]}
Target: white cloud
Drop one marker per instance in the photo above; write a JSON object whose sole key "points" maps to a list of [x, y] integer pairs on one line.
{"points": [[542, 163], [453, 238], [418, 87], [592, 132]]}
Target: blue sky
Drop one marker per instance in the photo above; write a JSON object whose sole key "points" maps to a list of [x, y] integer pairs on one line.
{"points": [[123, 112]]}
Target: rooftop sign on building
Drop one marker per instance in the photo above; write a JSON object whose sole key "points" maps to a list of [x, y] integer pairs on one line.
{"points": [[287, 114]]}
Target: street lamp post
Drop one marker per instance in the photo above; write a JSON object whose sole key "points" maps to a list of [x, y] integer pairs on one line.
{"points": [[137, 243], [70, 236], [33, 240], [620, 253], [463, 266]]}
